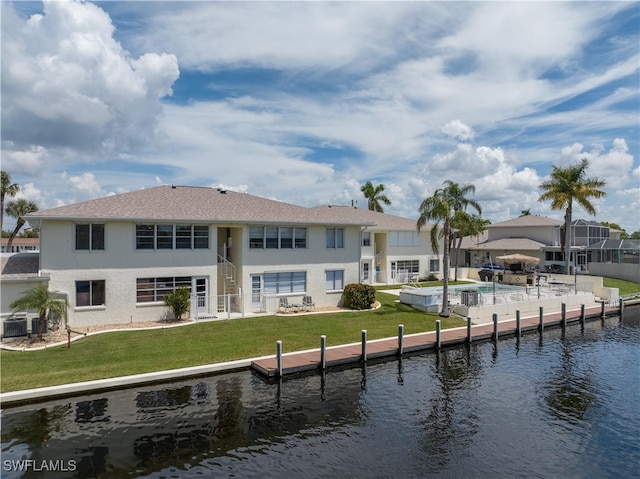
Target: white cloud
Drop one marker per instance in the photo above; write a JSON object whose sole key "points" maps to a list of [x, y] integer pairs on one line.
{"points": [[614, 166], [456, 129], [392, 76], [69, 86], [30, 192], [30, 161], [85, 184]]}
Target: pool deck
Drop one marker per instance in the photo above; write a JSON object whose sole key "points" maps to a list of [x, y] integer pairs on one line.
{"points": [[301, 361]]}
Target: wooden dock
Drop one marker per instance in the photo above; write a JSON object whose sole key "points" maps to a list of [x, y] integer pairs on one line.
{"points": [[296, 362]]}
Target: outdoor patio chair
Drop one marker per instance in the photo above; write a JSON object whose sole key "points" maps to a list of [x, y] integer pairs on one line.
{"points": [[307, 303], [287, 307]]}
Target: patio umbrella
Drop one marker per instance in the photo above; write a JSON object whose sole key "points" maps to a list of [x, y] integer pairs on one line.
{"points": [[517, 257]]}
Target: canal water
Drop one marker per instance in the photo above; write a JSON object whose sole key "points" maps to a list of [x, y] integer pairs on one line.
{"points": [[566, 405]]}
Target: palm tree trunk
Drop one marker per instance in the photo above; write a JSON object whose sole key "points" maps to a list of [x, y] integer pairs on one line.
{"points": [[567, 239], [41, 325], [14, 234], [445, 269]]}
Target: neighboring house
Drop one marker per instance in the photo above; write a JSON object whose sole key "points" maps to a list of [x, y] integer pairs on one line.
{"points": [[540, 237], [392, 249], [20, 272], [527, 235], [21, 245], [116, 257], [615, 258]]}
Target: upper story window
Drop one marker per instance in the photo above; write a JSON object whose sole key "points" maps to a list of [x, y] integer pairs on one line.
{"points": [[168, 236], [404, 238], [277, 237], [366, 238], [335, 237], [90, 237]]}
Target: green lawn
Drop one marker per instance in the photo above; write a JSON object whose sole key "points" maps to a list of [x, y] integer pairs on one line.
{"points": [[132, 352], [625, 287]]}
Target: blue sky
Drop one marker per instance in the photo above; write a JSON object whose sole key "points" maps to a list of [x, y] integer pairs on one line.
{"points": [[306, 101]]}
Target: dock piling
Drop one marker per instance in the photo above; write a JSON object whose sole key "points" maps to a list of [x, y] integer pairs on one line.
{"points": [[541, 319], [495, 326], [438, 338], [400, 339], [364, 345], [323, 352], [602, 303], [279, 358], [583, 316], [564, 315], [469, 337], [518, 329]]}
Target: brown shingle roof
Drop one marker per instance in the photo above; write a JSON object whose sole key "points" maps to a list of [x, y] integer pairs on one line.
{"points": [[527, 220], [187, 203], [378, 221], [508, 244], [20, 266]]}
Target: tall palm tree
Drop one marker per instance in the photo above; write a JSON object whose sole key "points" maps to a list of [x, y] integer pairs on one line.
{"points": [[44, 301], [8, 189], [374, 196], [565, 186], [18, 209], [441, 208]]}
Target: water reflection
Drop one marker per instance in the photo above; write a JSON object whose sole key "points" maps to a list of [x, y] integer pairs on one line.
{"points": [[569, 391], [450, 423], [457, 413]]}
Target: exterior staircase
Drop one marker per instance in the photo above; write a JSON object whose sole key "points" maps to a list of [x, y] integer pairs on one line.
{"points": [[226, 277]]}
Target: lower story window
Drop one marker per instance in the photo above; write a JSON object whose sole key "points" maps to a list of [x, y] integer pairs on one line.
{"points": [[335, 280], [90, 293], [285, 282], [149, 290], [434, 265]]}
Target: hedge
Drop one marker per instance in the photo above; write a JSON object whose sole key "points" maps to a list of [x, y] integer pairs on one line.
{"points": [[359, 296]]}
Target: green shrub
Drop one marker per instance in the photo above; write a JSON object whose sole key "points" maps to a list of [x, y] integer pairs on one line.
{"points": [[359, 296], [178, 301], [431, 277]]}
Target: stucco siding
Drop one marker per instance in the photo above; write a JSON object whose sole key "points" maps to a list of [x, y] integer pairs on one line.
{"points": [[58, 250], [120, 293]]}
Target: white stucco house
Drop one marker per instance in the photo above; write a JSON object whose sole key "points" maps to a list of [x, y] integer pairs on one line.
{"points": [[116, 257]]}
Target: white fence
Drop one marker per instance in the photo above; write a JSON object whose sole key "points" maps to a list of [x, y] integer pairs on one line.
{"points": [[223, 306]]}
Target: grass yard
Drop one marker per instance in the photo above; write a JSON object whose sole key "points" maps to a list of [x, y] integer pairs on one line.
{"points": [[625, 287], [132, 352]]}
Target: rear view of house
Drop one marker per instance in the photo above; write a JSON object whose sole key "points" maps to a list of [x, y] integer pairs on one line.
{"points": [[115, 258]]}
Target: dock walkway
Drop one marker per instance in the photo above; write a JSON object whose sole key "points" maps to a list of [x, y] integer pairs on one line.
{"points": [[296, 362]]}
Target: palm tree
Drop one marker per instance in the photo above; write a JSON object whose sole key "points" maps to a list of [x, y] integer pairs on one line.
{"points": [[442, 207], [8, 189], [18, 209], [374, 196], [526, 212], [566, 185], [42, 300], [463, 225]]}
